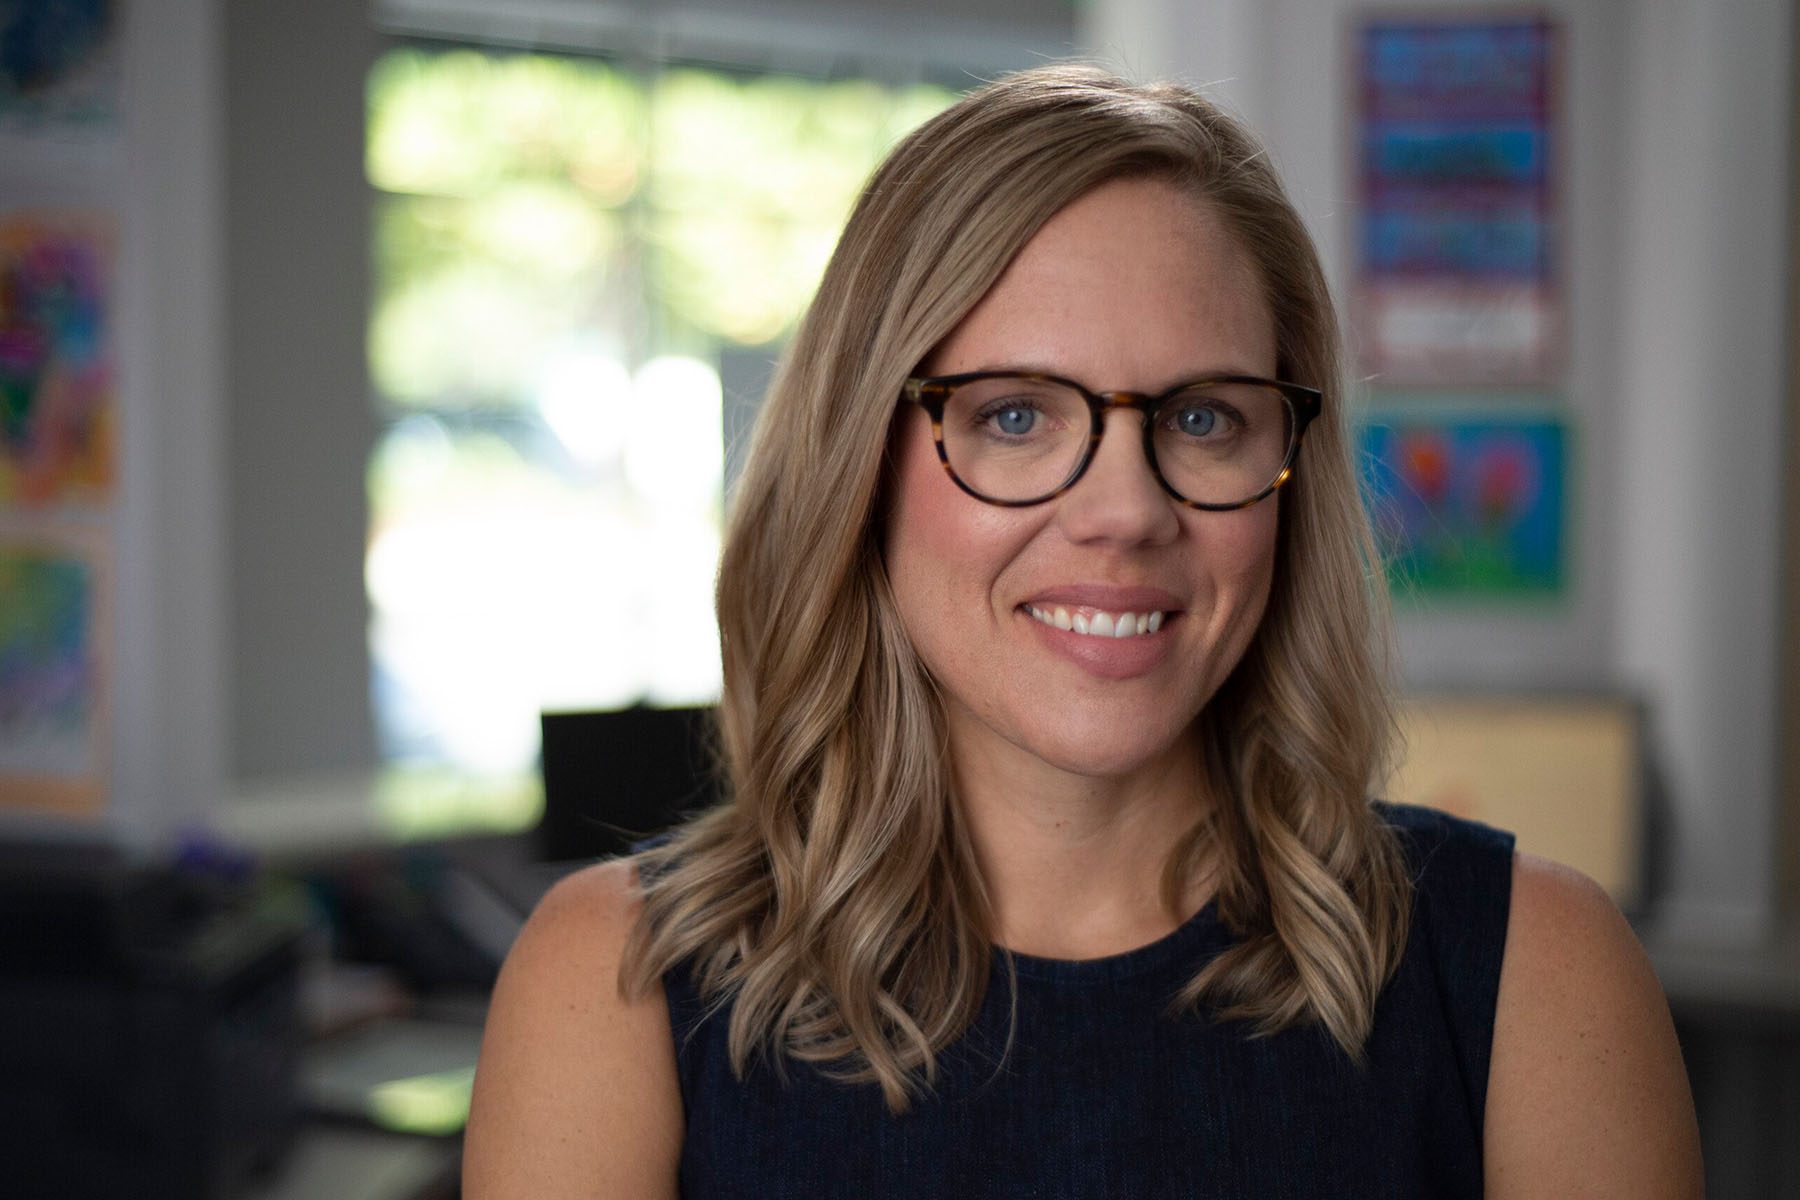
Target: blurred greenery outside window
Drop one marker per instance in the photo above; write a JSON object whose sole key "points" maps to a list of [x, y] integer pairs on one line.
{"points": [[565, 251]]}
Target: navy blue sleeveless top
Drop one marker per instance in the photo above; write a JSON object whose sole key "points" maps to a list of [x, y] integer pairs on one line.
{"points": [[1105, 1094]]}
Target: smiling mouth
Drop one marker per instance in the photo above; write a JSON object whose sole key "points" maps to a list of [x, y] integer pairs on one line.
{"points": [[1094, 622]]}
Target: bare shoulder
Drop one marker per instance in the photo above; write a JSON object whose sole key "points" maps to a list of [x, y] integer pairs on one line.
{"points": [[1587, 1095], [576, 1093]]}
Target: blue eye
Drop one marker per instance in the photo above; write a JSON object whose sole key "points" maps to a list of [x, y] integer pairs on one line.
{"points": [[1196, 421], [1015, 421]]}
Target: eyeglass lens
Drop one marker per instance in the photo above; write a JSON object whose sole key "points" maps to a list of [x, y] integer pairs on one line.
{"points": [[1021, 439]]}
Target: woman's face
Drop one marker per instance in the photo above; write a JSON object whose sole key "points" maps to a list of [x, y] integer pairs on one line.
{"points": [[1135, 286]]}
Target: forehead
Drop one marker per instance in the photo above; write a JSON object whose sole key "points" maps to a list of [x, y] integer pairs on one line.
{"points": [[1136, 284]]}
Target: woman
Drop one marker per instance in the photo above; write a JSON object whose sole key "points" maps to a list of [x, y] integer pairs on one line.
{"points": [[1052, 700]]}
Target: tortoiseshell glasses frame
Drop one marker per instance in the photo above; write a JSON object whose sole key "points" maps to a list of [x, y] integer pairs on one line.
{"points": [[1304, 405]]}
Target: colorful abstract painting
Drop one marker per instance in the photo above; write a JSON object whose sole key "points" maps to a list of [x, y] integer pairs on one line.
{"points": [[52, 665], [57, 415], [1469, 504], [1458, 213]]}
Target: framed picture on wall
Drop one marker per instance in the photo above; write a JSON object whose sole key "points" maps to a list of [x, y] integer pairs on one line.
{"points": [[1468, 499], [58, 418], [1456, 142], [59, 72], [55, 666]]}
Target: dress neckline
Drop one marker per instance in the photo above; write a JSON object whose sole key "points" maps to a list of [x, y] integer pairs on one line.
{"points": [[1179, 945]]}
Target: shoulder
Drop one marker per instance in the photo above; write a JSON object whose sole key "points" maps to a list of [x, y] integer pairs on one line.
{"points": [[1587, 1094], [1428, 832], [576, 1092], [1462, 870]]}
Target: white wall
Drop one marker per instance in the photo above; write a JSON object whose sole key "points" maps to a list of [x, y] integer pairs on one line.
{"points": [[299, 422], [239, 622], [1675, 179], [170, 706], [1704, 311]]}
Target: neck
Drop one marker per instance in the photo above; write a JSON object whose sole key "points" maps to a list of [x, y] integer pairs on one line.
{"points": [[1073, 863]]}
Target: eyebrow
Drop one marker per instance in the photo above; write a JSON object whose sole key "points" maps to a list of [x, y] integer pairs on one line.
{"points": [[1031, 368]]}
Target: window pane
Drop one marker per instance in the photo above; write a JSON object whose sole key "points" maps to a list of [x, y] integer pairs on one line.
{"points": [[505, 578], [751, 180], [474, 295], [563, 248]]}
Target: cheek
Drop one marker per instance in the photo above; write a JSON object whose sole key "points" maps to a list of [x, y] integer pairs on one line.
{"points": [[941, 546], [1255, 585], [1261, 536], [1240, 551], [916, 512], [920, 541]]}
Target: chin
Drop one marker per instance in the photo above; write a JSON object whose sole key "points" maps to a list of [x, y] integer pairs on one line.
{"points": [[1101, 753]]}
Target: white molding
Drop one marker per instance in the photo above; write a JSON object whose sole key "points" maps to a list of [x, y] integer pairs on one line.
{"points": [[890, 44]]}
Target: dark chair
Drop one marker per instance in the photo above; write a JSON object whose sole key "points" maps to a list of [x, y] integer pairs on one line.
{"points": [[615, 778]]}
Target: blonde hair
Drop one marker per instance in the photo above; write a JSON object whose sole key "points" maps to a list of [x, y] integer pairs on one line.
{"points": [[833, 901]]}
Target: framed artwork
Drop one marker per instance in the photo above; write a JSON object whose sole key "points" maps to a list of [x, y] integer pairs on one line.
{"points": [[57, 383], [1467, 503], [59, 68], [55, 661], [60, 104], [1457, 226]]}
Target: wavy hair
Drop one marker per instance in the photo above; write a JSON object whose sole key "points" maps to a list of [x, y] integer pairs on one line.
{"points": [[832, 903]]}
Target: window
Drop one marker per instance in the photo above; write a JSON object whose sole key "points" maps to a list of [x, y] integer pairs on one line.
{"points": [[567, 251]]}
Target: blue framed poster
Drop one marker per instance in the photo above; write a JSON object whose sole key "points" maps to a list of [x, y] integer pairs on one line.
{"points": [[1457, 227]]}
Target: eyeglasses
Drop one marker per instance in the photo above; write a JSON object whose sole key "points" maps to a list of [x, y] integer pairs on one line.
{"points": [[1016, 438]]}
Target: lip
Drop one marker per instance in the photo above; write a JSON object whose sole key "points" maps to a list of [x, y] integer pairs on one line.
{"points": [[1104, 657], [1110, 597]]}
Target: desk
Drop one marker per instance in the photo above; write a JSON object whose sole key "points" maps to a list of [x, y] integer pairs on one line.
{"points": [[336, 1162]]}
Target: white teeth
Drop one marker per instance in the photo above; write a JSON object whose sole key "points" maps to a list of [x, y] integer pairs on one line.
{"points": [[1100, 623]]}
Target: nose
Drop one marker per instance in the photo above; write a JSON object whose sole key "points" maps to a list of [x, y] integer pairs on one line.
{"points": [[1118, 498]]}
